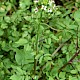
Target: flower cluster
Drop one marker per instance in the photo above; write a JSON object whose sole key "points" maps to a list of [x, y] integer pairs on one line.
{"points": [[49, 7]]}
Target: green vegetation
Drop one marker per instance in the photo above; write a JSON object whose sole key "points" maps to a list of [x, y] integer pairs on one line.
{"points": [[39, 40]]}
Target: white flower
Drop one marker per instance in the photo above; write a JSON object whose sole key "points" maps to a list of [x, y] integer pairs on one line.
{"points": [[36, 1], [54, 6], [49, 10], [36, 10], [44, 7], [51, 2]]}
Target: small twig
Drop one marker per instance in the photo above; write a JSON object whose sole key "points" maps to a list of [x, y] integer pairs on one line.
{"points": [[75, 9], [58, 49], [77, 40], [43, 67], [51, 27], [70, 61], [76, 53], [61, 45], [41, 40]]}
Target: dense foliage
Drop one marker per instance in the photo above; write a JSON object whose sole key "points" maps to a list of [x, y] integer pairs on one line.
{"points": [[39, 40]]}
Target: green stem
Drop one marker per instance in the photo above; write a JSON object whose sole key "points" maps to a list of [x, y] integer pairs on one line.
{"points": [[51, 27], [37, 42]]}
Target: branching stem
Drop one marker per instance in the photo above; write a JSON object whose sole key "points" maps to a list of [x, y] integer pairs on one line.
{"points": [[73, 57], [70, 61]]}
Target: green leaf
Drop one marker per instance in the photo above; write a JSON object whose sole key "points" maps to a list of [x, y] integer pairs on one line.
{"points": [[38, 56], [5, 46], [21, 41], [67, 56], [72, 27], [8, 8], [1, 56], [45, 2], [73, 78], [53, 37], [41, 59], [1, 32], [78, 67], [7, 19], [28, 67], [51, 78], [27, 47], [64, 49], [77, 15], [47, 58], [48, 66], [58, 13], [62, 75], [60, 62], [19, 71], [46, 45], [49, 40], [28, 18], [15, 33], [7, 62], [25, 3], [27, 77], [20, 57], [16, 77], [4, 26], [23, 57], [73, 71]]}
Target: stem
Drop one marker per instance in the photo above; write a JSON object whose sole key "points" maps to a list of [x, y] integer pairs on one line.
{"points": [[76, 54], [51, 27], [61, 45], [58, 49], [70, 61], [35, 61], [77, 40]]}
